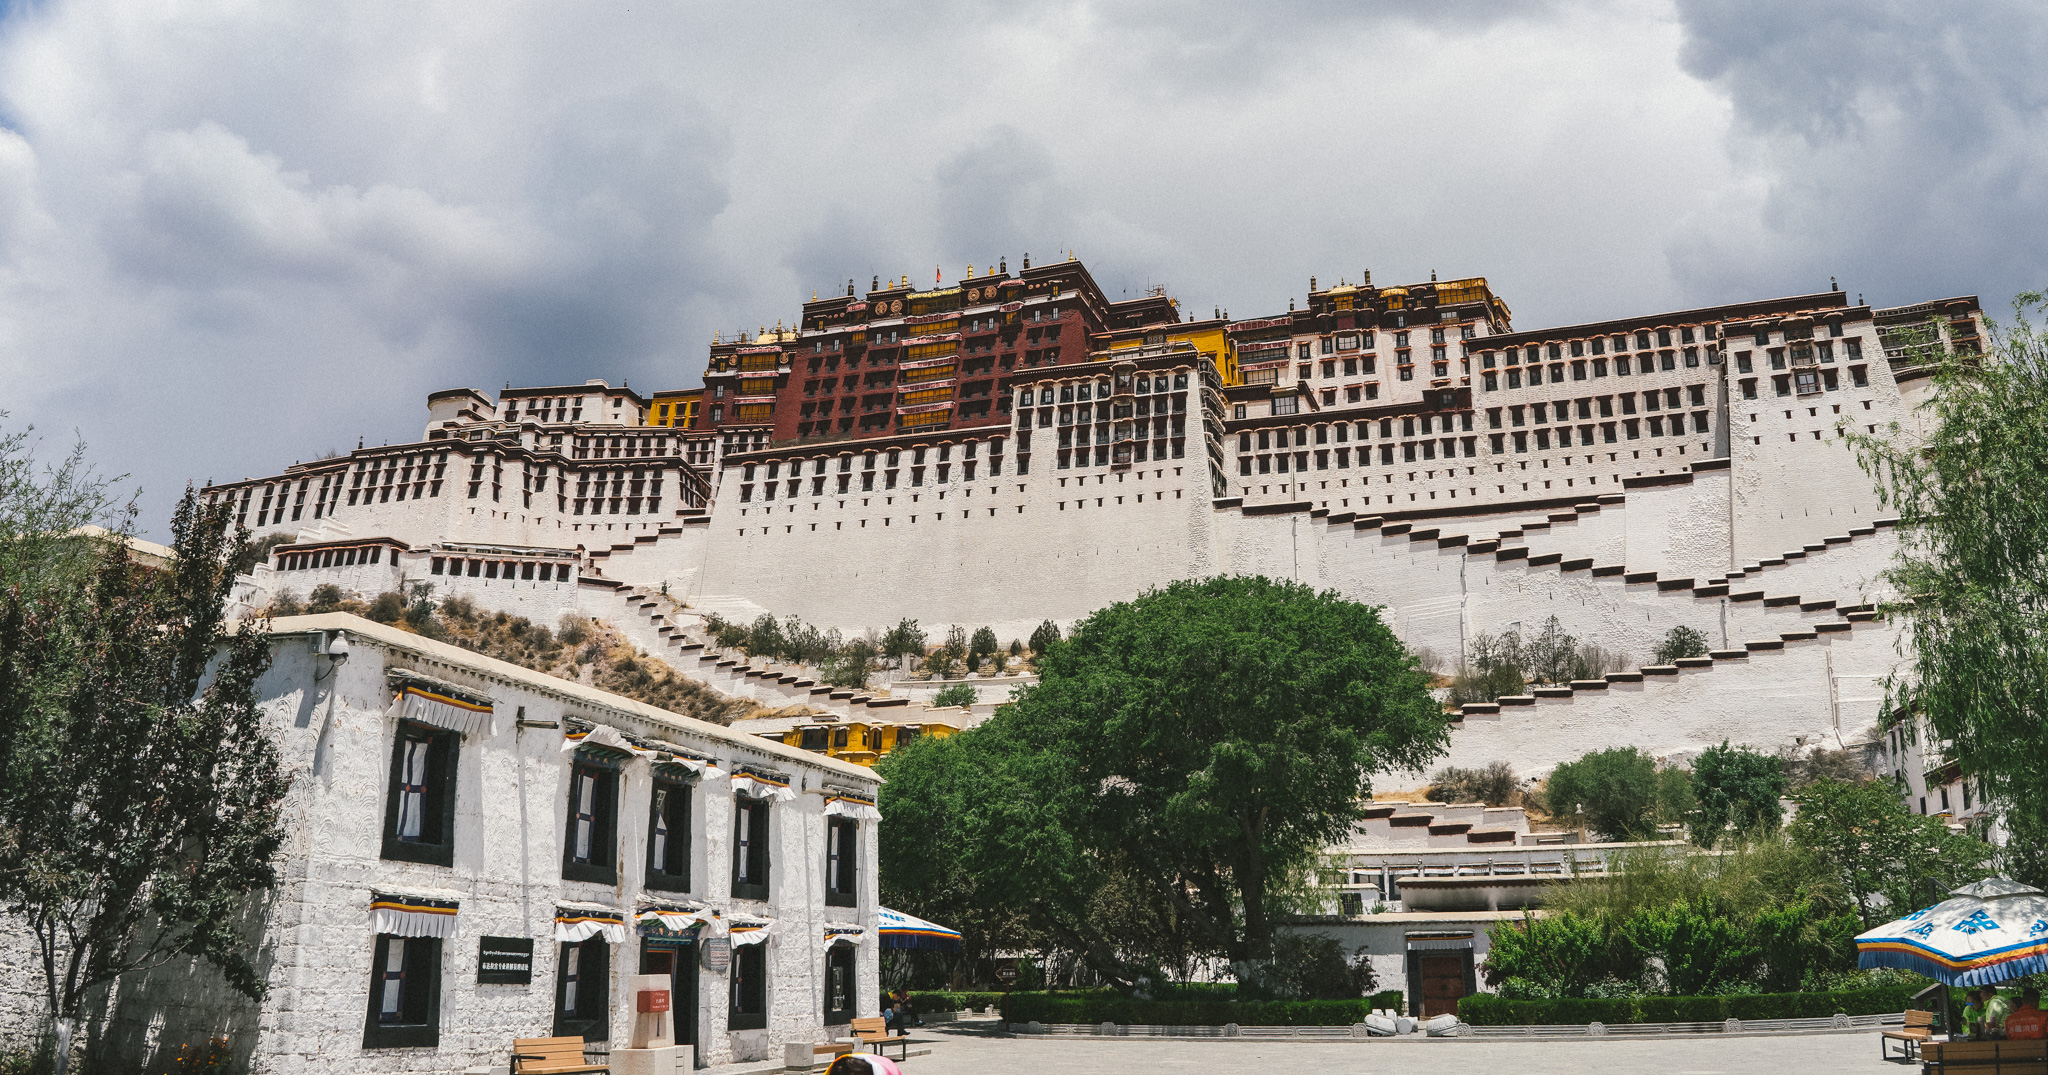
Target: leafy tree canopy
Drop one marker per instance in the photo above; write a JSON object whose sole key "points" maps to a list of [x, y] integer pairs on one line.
{"points": [[1972, 502], [1622, 793], [1735, 787], [1181, 754], [957, 694], [1888, 859]]}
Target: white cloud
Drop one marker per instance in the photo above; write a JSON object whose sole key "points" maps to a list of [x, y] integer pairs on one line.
{"points": [[234, 235]]}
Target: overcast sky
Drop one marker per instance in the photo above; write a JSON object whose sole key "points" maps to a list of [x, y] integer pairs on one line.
{"points": [[234, 235]]}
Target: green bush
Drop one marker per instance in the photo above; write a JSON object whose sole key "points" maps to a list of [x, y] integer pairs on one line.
{"points": [[1486, 1009], [1108, 1007]]}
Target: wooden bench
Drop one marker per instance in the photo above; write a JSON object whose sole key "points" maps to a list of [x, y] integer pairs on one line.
{"points": [[1984, 1057], [535, 1056], [833, 1049], [1919, 1027], [872, 1032]]}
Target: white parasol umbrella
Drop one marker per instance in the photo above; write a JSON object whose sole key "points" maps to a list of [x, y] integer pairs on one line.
{"points": [[1991, 931]]}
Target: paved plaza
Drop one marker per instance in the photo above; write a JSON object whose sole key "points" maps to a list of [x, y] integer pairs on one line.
{"points": [[972, 1052]]}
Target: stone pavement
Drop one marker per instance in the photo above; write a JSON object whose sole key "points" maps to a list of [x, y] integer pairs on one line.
{"points": [[970, 1052]]}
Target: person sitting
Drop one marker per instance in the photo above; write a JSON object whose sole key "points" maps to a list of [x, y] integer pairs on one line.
{"points": [[1996, 1008], [2027, 1022], [1973, 1014]]}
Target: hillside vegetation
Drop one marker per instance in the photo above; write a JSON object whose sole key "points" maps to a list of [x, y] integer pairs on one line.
{"points": [[578, 649]]}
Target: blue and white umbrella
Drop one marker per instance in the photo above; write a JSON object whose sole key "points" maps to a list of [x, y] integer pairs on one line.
{"points": [[1992, 931], [900, 930]]}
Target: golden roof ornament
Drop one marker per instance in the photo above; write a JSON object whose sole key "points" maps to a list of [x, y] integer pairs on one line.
{"points": [[970, 271]]}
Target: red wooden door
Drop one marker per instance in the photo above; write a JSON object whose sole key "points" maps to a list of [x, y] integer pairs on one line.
{"points": [[1443, 982]]}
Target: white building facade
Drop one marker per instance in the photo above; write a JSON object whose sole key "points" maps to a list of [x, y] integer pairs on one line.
{"points": [[478, 853]]}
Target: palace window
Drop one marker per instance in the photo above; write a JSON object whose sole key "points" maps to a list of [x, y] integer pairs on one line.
{"points": [[419, 804], [587, 853], [668, 836], [583, 989], [750, 861], [405, 993], [842, 847]]}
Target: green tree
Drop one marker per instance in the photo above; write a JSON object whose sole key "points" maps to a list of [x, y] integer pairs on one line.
{"points": [[1180, 755], [849, 666], [1888, 859], [1497, 668], [903, 640], [1558, 955], [764, 638], [1043, 636], [132, 696], [1700, 949], [984, 644], [1617, 789], [958, 694], [1734, 787], [1680, 642], [950, 655], [1972, 503]]}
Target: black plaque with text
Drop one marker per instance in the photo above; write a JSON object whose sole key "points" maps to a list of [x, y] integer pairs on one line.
{"points": [[504, 961]]}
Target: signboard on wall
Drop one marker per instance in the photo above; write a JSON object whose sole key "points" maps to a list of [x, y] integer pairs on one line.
{"points": [[504, 961], [717, 953]]}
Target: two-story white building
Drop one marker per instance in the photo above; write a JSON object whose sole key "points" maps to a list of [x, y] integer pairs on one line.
{"points": [[477, 852]]}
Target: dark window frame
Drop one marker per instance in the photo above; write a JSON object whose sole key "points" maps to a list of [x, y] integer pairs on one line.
{"points": [[421, 994], [747, 996], [755, 846], [591, 1017], [436, 844], [601, 865], [671, 871], [842, 862]]}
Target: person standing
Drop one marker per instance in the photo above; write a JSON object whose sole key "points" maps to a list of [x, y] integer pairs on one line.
{"points": [[1996, 1008]]}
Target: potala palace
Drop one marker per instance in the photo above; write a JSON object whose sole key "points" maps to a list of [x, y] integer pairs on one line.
{"points": [[1017, 447]]}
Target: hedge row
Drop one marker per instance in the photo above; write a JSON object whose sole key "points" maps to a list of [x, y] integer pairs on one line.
{"points": [[1485, 1009], [953, 1001], [1090, 1008]]}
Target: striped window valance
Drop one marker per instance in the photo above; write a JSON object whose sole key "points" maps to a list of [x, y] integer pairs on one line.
{"points": [[441, 704], [412, 916], [666, 914], [851, 806], [671, 754], [749, 930], [762, 785], [600, 737], [845, 935], [577, 922], [1439, 941]]}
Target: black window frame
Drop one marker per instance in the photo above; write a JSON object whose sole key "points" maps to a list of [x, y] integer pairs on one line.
{"points": [[444, 754], [592, 1016], [672, 872], [842, 870], [601, 867], [760, 862], [749, 984], [422, 993], [841, 957]]}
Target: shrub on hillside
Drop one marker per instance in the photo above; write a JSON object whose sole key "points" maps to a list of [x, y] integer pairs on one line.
{"points": [[1494, 784]]}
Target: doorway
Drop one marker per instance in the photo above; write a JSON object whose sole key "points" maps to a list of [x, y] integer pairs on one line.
{"points": [[1443, 981], [678, 960]]}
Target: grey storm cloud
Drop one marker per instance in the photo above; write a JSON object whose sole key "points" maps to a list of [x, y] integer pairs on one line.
{"points": [[232, 236]]}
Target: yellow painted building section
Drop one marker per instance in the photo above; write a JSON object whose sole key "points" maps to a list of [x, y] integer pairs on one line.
{"points": [[857, 741], [1206, 337]]}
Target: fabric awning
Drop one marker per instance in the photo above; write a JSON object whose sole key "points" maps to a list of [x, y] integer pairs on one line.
{"points": [[443, 705], [1992, 931], [761, 785], [678, 917], [899, 930], [600, 735], [412, 916], [577, 922], [850, 806], [749, 930], [845, 935]]}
